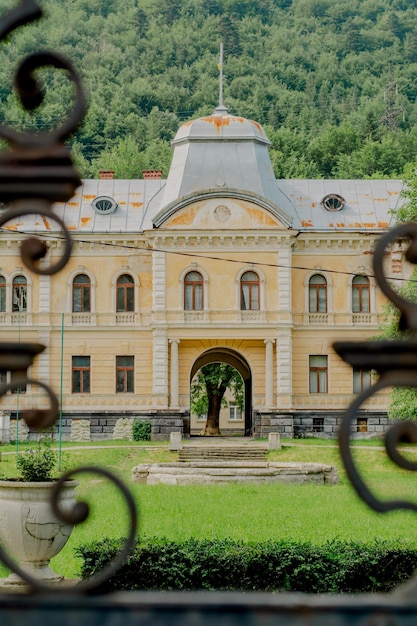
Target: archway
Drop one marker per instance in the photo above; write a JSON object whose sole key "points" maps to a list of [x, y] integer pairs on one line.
{"points": [[236, 360]]}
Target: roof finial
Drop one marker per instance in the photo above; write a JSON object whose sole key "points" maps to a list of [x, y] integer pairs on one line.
{"points": [[220, 109], [221, 76]]}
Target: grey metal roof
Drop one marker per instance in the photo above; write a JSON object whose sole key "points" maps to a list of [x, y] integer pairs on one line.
{"points": [[221, 150], [368, 203], [226, 153]]}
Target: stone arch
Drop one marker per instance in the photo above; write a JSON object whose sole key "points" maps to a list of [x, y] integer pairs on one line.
{"points": [[231, 357]]}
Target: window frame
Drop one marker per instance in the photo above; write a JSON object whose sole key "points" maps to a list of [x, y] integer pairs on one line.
{"points": [[85, 288], [127, 289], [22, 291], [126, 369], [316, 371], [3, 294], [314, 299], [359, 288], [79, 368], [236, 411], [361, 379], [253, 286], [194, 284]]}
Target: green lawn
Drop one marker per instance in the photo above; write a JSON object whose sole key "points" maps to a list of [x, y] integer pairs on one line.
{"points": [[252, 513]]}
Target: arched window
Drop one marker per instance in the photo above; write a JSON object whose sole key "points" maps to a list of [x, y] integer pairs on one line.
{"points": [[20, 294], [81, 294], [2, 293], [249, 291], [125, 298], [360, 294], [193, 291], [317, 294]]}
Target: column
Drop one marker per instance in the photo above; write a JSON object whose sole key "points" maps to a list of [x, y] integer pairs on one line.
{"points": [[284, 369], [269, 373], [174, 382], [160, 369]]}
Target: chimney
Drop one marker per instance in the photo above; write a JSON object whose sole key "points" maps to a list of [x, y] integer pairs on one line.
{"points": [[106, 174], [152, 173]]}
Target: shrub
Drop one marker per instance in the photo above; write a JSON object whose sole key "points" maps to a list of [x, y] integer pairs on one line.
{"points": [[141, 430], [36, 465], [223, 564]]}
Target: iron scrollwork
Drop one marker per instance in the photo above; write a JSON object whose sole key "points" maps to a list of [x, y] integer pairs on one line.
{"points": [[35, 172], [395, 361]]}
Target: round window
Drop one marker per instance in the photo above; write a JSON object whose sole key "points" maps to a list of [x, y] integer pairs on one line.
{"points": [[333, 202], [103, 205]]}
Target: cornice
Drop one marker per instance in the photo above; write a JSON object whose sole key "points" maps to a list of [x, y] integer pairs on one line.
{"points": [[231, 240]]}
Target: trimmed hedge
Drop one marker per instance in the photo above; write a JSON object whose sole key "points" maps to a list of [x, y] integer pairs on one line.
{"points": [[223, 564], [142, 430]]}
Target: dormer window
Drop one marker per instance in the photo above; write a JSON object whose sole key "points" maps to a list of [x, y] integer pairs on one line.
{"points": [[333, 202], [104, 205]]}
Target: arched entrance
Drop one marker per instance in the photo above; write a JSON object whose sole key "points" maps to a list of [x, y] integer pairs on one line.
{"points": [[236, 360]]}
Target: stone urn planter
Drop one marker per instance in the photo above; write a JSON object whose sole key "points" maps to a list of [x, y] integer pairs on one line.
{"points": [[29, 530]]}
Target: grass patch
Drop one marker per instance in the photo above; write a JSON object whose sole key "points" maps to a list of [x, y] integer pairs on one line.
{"points": [[249, 513]]}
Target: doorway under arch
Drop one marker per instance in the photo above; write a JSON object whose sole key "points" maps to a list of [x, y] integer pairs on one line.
{"points": [[236, 360]]}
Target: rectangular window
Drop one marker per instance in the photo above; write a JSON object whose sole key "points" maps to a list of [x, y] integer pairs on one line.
{"points": [[193, 297], [362, 425], [125, 374], [2, 295], [235, 412], [14, 378], [80, 374], [318, 374], [362, 379], [318, 424]]}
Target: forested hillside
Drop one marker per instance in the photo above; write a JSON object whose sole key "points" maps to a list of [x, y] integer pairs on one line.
{"points": [[333, 81]]}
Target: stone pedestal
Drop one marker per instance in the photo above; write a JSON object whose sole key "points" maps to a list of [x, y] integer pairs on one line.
{"points": [[274, 441], [175, 441]]}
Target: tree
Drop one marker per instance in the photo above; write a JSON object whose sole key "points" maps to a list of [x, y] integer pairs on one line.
{"points": [[207, 393], [403, 399]]}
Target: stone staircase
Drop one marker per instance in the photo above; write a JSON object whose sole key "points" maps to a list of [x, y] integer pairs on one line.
{"points": [[217, 454]]}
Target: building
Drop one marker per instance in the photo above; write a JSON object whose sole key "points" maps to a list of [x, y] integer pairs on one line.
{"points": [[220, 262]]}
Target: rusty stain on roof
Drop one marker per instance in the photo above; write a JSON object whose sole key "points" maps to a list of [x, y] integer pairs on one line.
{"points": [[46, 223], [382, 224], [137, 204], [85, 221], [393, 193], [74, 204], [340, 225], [71, 227], [89, 197], [313, 205], [306, 223]]}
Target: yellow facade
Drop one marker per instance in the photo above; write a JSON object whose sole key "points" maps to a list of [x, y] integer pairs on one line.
{"points": [[140, 357]]}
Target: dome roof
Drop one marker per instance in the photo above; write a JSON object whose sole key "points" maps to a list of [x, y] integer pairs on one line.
{"points": [[221, 151], [221, 125]]}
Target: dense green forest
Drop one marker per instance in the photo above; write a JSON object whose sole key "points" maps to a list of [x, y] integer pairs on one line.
{"points": [[333, 82]]}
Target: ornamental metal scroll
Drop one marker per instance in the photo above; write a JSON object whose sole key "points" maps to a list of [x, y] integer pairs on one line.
{"points": [[396, 363], [35, 172]]}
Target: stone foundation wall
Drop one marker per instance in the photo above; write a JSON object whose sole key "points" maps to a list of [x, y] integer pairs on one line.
{"points": [[271, 422], [326, 425], [300, 424], [102, 427]]}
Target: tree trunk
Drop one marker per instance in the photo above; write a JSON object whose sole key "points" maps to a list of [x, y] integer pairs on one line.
{"points": [[211, 429]]}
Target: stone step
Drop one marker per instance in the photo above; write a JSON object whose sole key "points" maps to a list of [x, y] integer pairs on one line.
{"points": [[232, 453]]}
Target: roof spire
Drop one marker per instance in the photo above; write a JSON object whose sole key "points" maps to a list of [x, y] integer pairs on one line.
{"points": [[220, 109]]}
